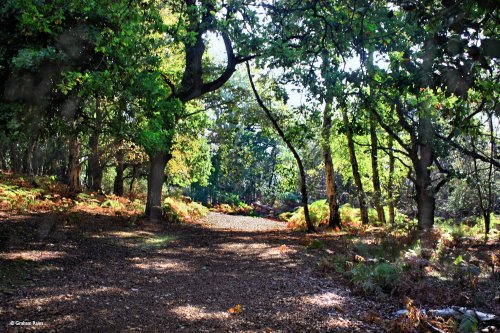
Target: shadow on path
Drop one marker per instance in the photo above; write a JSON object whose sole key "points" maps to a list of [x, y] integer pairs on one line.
{"points": [[97, 273]]}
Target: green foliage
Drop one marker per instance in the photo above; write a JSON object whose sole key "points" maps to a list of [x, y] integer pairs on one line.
{"points": [[178, 211], [157, 132], [190, 162], [468, 324], [114, 204], [318, 211], [23, 199], [380, 279]]}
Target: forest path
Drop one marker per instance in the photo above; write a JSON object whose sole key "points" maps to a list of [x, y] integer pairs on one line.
{"points": [[97, 273]]}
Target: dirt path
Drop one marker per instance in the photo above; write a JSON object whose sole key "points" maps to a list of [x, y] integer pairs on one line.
{"points": [[97, 273]]}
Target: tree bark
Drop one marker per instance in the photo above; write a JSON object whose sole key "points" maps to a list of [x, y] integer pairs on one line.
{"points": [[28, 157], [135, 175], [118, 183], [74, 169], [390, 185], [355, 168], [95, 169], [487, 208], [156, 178], [426, 201], [331, 186], [375, 175], [3, 164], [15, 163], [422, 157]]}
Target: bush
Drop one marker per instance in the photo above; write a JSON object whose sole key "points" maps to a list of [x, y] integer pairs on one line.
{"points": [[178, 211], [286, 216], [239, 209], [13, 197], [318, 212], [381, 279]]}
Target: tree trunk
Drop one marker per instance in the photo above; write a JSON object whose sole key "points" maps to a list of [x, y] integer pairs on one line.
{"points": [[15, 163], [422, 157], [3, 164], [156, 178], [375, 175], [118, 183], [331, 186], [303, 191], [28, 157], [390, 185], [95, 169], [74, 168], [355, 168], [303, 184], [135, 174], [487, 223], [426, 201]]}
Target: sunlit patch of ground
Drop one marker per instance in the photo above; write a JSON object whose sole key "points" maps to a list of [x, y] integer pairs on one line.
{"points": [[33, 255], [195, 313], [160, 265]]}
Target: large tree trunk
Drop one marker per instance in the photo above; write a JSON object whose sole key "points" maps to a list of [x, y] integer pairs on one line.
{"points": [[375, 175], [156, 178], [331, 186], [426, 201], [95, 169], [118, 183], [390, 185], [355, 168], [422, 157], [74, 169]]}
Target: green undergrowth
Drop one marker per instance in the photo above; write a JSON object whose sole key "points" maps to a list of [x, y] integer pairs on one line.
{"points": [[472, 227], [239, 208], [182, 210], [320, 213]]}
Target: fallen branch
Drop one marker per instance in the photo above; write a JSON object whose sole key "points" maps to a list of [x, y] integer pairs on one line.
{"points": [[457, 313]]}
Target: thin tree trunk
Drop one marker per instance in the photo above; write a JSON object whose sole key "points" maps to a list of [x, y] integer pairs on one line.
{"points": [[331, 186], [156, 178], [74, 168], [487, 216], [302, 173], [28, 157], [486, 209], [272, 174], [355, 168], [118, 183], [3, 164], [15, 165], [95, 169], [135, 174], [375, 175], [390, 185]]}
